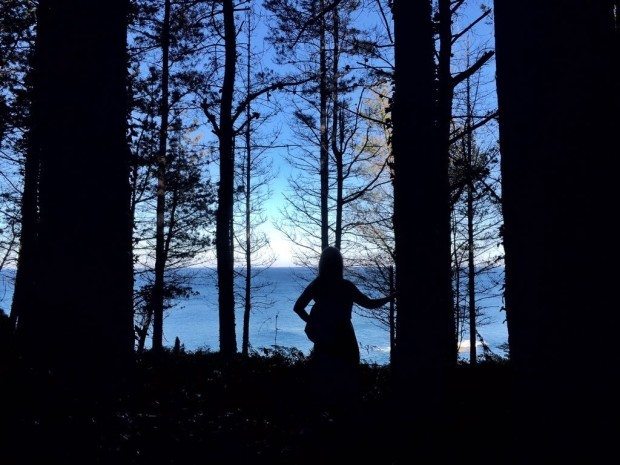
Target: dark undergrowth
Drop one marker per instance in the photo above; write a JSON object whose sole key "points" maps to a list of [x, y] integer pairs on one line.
{"points": [[192, 408]]}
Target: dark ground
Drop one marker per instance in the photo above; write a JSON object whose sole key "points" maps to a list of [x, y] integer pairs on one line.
{"points": [[196, 409]]}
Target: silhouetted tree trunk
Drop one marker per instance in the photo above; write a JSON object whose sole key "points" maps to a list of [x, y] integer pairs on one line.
{"points": [[224, 218], [248, 245], [392, 314], [426, 346], [143, 332], [80, 325], [247, 304], [456, 264], [337, 129], [340, 175], [471, 266], [558, 116], [324, 134], [160, 258]]}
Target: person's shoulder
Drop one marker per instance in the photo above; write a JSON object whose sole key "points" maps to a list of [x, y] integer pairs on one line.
{"points": [[349, 284], [313, 284]]}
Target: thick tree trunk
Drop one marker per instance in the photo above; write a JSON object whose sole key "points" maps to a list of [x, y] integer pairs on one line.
{"points": [[558, 116], [80, 325], [426, 346], [224, 216], [160, 258], [323, 133]]}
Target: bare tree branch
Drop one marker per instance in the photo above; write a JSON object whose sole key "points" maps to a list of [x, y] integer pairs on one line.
{"points": [[457, 36], [480, 62], [458, 135]]}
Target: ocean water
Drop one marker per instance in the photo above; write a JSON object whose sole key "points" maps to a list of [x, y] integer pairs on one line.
{"points": [[195, 320]]}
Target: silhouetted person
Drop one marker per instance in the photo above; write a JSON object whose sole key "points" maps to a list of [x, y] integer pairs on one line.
{"points": [[335, 355]]}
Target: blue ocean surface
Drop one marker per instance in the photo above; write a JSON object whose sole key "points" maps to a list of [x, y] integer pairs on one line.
{"points": [[195, 320]]}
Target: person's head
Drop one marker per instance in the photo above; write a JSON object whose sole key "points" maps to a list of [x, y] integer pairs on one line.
{"points": [[331, 265]]}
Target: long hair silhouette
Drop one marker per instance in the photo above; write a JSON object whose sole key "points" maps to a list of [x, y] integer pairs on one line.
{"points": [[331, 264]]}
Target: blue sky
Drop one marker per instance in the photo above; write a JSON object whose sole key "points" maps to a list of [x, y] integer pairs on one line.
{"points": [[480, 37]]}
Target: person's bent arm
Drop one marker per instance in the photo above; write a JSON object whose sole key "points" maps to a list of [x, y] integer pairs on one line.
{"points": [[364, 301], [303, 300]]}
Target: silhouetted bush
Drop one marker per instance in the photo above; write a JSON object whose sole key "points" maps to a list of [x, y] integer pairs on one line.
{"points": [[195, 407]]}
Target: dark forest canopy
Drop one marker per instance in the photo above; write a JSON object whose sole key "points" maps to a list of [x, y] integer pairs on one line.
{"points": [[439, 145]]}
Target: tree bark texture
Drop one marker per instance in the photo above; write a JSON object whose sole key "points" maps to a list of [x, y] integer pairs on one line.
{"points": [[81, 323], [558, 114], [426, 345]]}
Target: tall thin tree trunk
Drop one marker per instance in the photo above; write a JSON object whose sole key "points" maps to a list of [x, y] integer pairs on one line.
{"points": [[558, 190], [392, 314], [142, 331], [471, 266], [426, 348], [157, 302], [445, 93], [339, 119], [457, 281], [337, 128], [323, 136], [245, 347], [248, 254], [224, 216], [471, 278], [80, 327]]}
